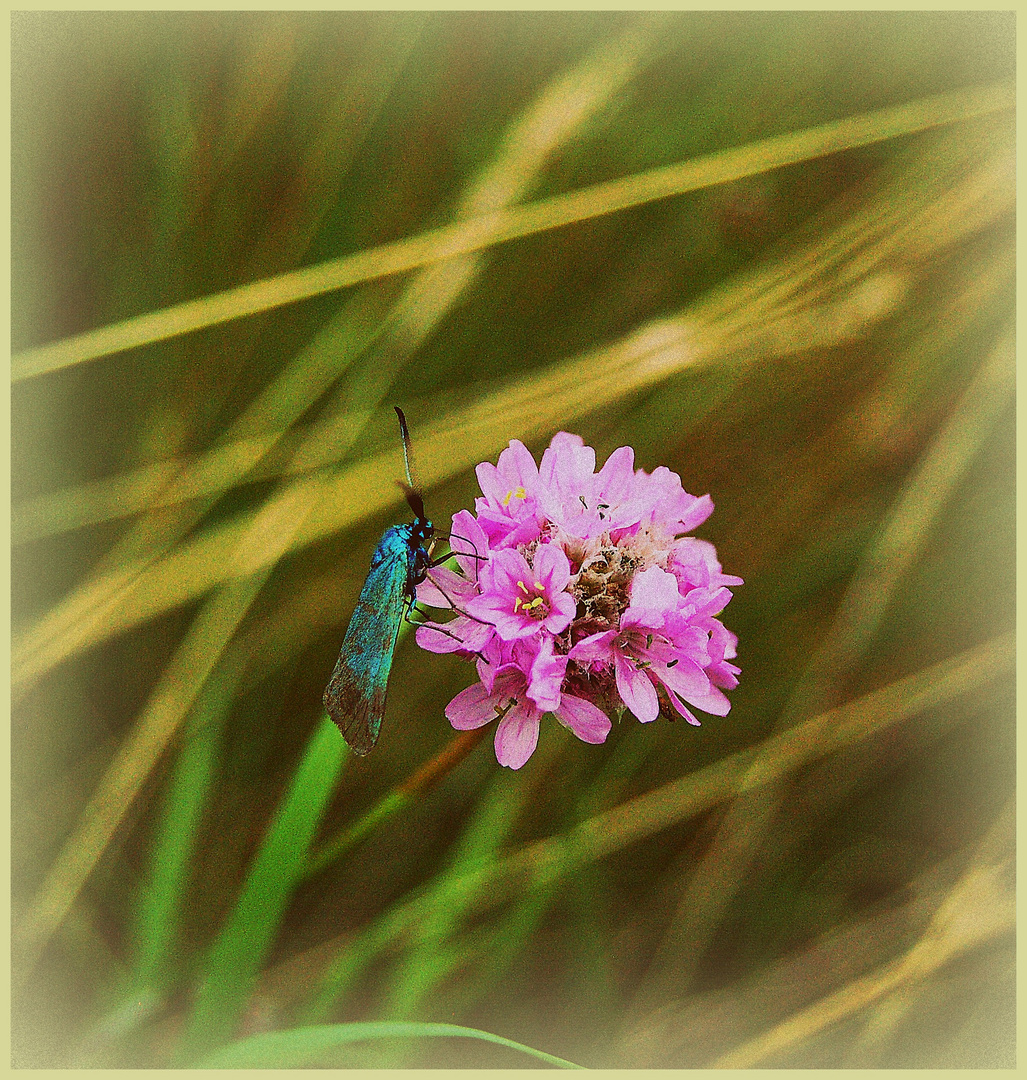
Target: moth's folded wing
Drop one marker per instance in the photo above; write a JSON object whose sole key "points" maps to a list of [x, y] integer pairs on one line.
{"points": [[355, 695]]}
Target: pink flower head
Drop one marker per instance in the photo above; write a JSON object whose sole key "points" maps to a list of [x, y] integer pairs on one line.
{"points": [[576, 593]]}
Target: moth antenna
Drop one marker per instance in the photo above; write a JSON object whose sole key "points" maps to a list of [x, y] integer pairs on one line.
{"points": [[405, 432], [414, 500]]}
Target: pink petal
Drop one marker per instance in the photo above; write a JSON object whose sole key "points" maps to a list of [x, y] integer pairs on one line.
{"points": [[679, 706], [723, 675], [503, 571], [561, 614], [616, 478], [510, 626], [551, 567], [517, 735], [693, 561], [713, 701], [654, 593], [722, 641], [517, 467], [524, 652], [691, 641], [525, 532], [474, 634], [468, 541], [546, 677], [471, 708], [699, 510], [566, 463], [589, 723], [438, 638], [712, 603], [494, 654], [595, 647], [496, 526], [685, 678], [492, 484], [636, 690], [444, 588], [625, 515]]}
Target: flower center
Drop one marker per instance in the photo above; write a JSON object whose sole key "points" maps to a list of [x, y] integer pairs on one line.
{"points": [[533, 603], [502, 710], [601, 586]]}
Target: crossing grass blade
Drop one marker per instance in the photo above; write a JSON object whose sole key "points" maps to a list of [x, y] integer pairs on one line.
{"points": [[180, 683], [857, 621], [540, 863], [318, 365], [484, 232]]}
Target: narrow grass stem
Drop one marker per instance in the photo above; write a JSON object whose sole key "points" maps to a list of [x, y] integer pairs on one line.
{"points": [[402, 795]]}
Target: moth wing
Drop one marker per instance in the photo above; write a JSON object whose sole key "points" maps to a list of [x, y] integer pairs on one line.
{"points": [[355, 695]]}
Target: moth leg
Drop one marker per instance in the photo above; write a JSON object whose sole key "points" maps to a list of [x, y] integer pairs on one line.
{"points": [[466, 554], [413, 609], [436, 628], [453, 607]]}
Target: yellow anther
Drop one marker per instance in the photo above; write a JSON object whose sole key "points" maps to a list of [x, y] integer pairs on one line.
{"points": [[517, 493], [540, 586], [522, 587]]}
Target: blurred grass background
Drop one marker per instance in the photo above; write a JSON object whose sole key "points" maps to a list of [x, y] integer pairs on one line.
{"points": [[758, 247]]}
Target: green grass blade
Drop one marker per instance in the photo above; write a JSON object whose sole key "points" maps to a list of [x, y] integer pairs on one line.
{"points": [[442, 903], [293, 1049], [167, 707], [159, 910], [420, 971], [679, 800], [235, 960]]}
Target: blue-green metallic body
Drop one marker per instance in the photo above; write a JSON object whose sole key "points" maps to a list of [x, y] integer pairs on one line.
{"points": [[355, 695]]}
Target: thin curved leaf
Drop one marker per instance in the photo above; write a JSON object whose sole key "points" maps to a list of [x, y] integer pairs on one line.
{"points": [[292, 1049]]}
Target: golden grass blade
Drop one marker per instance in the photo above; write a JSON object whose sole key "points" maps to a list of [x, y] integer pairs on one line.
{"points": [[979, 908], [723, 866], [170, 701], [795, 282], [496, 227], [550, 121], [776, 292], [163, 483], [925, 493], [783, 754], [206, 475], [728, 326]]}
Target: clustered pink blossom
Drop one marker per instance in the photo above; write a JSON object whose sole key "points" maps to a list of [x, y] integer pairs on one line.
{"points": [[577, 594]]}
